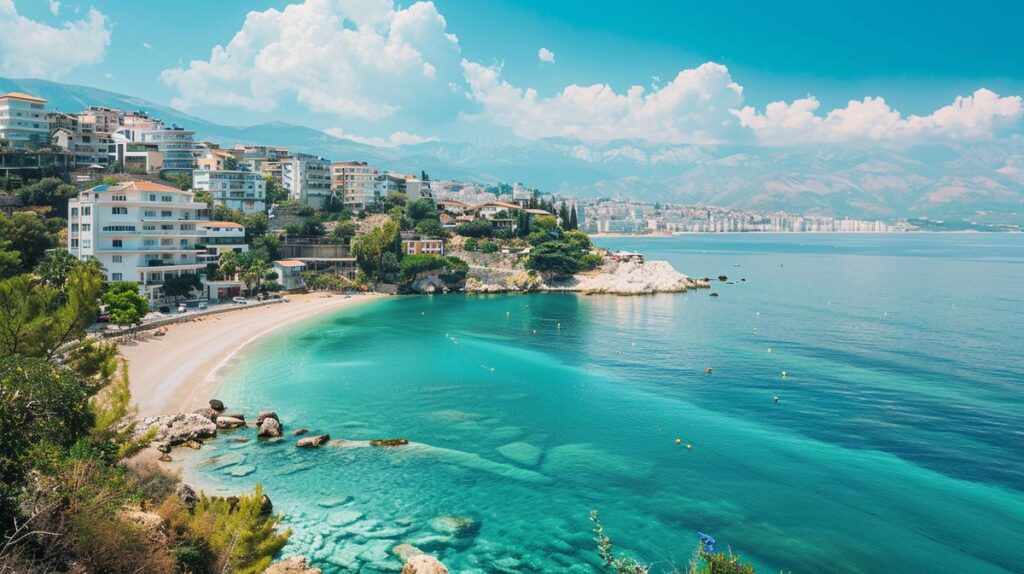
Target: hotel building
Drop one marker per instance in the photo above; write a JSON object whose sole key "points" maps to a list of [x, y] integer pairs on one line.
{"points": [[307, 179], [243, 190], [23, 121], [357, 184]]}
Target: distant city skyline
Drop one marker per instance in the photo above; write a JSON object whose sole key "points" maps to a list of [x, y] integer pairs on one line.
{"points": [[667, 72]]}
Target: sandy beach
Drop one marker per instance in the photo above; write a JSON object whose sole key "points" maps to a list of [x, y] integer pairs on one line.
{"points": [[177, 372]]}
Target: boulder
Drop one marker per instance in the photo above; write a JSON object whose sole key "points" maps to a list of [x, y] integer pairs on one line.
{"points": [[172, 430], [186, 495], [300, 431], [266, 507], [207, 412], [239, 416], [313, 441], [165, 458], [459, 526], [193, 444], [423, 564], [216, 405], [293, 565], [406, 551], [389, 442], [266, 415], [229, 423], [269, 429]]}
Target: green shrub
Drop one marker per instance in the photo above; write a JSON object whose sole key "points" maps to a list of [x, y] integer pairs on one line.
{"points": [[479, 228], [591, 261], [470, 244], [488, 247]]}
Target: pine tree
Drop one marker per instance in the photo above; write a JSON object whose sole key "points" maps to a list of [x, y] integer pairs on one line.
{"points": [[573, 223]]}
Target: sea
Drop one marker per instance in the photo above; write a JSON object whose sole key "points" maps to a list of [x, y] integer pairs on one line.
{"points": [[848, 403]]}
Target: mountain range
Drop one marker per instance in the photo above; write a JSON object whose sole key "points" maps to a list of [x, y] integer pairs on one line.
{"points": [[977, 181]]}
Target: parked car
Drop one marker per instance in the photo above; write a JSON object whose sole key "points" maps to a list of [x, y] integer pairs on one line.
{"points": [[240, 301]]}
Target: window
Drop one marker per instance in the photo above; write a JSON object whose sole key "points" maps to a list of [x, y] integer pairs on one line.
{"points": [[165, 214], [117, 243], [118, 259], [152, 197], [86, 227], [119, 210], [116, 277], [118, 198], [86, 243], [166, 198], [150, 213], [74, 227], [74, 243], [118, 228], [86, 211], [74, 212]]}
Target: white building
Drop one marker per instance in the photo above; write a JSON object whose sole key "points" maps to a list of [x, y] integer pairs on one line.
{"points": [[23, 121], [357, 184], [177, 145], [307, 179], [243, 190], [289, 273], [139, 231]]}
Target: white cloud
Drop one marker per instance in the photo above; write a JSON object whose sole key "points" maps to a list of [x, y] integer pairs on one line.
{"points": [[147, 45], [693, 108], [395, 139], [349, 58], [546, 56], [33, 49], [54, 7], [981, 115]]}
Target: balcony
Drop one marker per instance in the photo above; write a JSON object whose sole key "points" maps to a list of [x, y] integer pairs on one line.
{"points": [[158, 233], [151, 249], [171, 265]]}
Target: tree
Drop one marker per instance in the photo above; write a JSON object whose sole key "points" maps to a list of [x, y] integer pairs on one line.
{"points": [[470, 244], [181, 286], [253, 272], [370, 248], [430, 228], [229, 264], [182, 180], [342, 232], [38, 320], [479, 228], [28, 235], [269, 246], [555, 257], [124, 303], [230, 163], [50, 192], [55, 267], [10, 259], [275, 193], [573, 224], [422, 209]]}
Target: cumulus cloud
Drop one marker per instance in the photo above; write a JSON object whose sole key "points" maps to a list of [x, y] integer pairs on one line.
{"points": [[981, 115], [546, 56], [692, 108], [395, 139], [54, 7], [361, 59], [34, 49]]}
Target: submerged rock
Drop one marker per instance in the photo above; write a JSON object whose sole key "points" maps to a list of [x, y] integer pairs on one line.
{"points": [[406, 551], [313, 441], [460, 526], [521, 452], [344, 517], [293, 565], [269, 428], [389, 442], [424, 564], [334, 501], [300, 431]]}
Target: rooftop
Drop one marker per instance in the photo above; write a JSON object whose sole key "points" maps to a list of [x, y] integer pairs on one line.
{"points": [[134, 186], [228, 224], [21, 96], [289, 263]]}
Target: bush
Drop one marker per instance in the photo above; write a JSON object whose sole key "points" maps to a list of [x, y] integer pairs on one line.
{"points": [[488, 247], [412, 265], [470, 244], [591, 261]]}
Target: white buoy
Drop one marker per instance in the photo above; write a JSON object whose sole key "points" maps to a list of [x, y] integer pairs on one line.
{"points": [[769, 349], [783, 374]]}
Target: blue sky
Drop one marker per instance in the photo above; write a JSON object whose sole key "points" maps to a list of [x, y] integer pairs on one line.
{"points": [[475, 84]]}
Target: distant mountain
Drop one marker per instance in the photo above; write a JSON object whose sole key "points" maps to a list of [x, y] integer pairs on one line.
{"points": [[983, 182]]}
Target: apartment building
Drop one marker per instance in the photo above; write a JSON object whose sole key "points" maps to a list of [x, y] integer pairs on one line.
{"points": [[89, 149], [23, 121], [178, 146], [243, 190], [139, 231], [307, 178], [357, 184]]}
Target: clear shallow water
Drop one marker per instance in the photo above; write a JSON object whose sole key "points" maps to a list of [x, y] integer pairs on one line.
{"points": [[897, 444]]}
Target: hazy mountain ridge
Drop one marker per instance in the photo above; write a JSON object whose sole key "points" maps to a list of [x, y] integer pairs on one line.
{"points": [[978, 181]]}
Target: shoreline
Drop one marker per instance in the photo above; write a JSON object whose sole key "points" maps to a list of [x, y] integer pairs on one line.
{"points": [[177, 372]]}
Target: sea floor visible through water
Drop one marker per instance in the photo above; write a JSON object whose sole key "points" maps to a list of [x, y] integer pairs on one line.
{"points": [[895, 444]]}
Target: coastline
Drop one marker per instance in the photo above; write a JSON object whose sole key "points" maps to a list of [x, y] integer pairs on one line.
{"points": [[177, 372]]}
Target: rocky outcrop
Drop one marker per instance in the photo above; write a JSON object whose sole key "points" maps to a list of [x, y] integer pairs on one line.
{"points": [[270, 428], [229, 422], [313, 441], [186, 495], [424, 564], [172, 430], [617, 278], [293, 565], [207, 412], [389, 442]]}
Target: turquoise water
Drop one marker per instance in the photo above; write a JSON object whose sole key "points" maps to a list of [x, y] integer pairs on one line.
{"points": [[897, 444]]}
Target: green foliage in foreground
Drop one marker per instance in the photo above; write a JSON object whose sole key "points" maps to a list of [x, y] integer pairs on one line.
{"points": [[124, 303], [703, 561]]}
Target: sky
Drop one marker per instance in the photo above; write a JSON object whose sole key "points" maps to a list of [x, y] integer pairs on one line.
{"points": [[870, 72]]}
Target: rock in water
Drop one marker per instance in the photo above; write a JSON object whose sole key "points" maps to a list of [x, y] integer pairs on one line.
{"points": [[424, 564], [389, 442], [239, 416], [266, 415], [207, 412], [313, 441], [460, 526], [406, 551], [229, 423], [293, 565], [216, 405], [300, 431], [270, 428]]}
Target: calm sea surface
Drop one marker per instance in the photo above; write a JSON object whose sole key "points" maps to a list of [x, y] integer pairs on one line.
{"points": [[896, 445]]}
